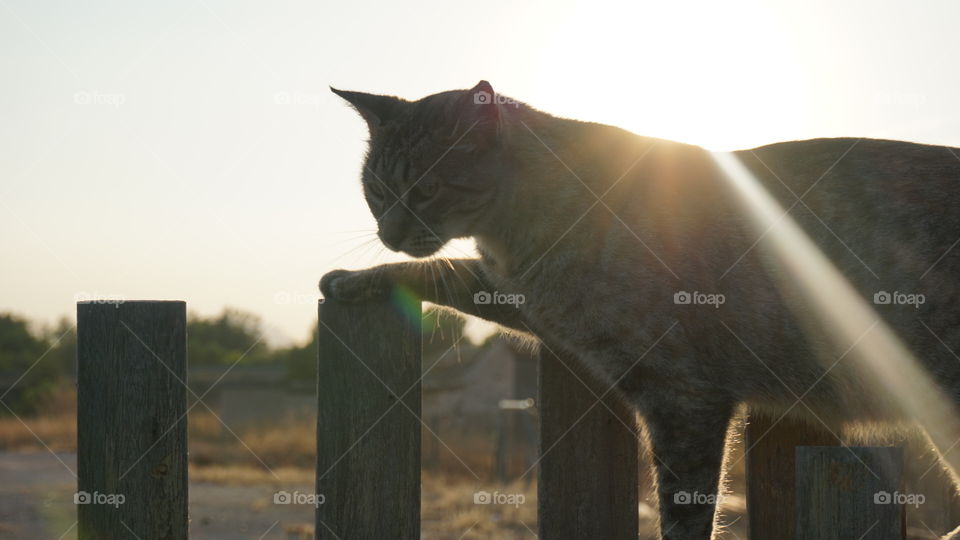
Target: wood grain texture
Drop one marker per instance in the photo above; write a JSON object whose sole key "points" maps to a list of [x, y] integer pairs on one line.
{"points": [[131, 419], [587, 486], [849, 492], [770, 464], [368, 442]]}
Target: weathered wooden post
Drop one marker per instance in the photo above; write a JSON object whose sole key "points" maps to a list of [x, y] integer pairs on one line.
{"points": [[368, 427], [849, 492], [769, 447], [588, 483], [801, 484], [131, 420]]}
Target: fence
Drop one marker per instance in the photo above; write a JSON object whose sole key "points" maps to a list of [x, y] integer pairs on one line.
{"points": [[132, 440]]}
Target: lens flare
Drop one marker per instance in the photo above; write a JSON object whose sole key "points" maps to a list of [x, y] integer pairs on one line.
{"points": [[407, 304]]}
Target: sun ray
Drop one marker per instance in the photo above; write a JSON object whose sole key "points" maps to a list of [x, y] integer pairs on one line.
{"points": [[880, 356]]}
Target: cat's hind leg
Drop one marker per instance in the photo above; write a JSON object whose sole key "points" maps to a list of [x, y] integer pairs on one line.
{"points": [[687, 437]]}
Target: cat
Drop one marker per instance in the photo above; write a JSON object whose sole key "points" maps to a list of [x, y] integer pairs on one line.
{"points": [[636, 256]]}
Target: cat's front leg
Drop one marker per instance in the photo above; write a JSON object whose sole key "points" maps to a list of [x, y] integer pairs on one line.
{"points": [[687, 436], [454, 283], [353, 286]]}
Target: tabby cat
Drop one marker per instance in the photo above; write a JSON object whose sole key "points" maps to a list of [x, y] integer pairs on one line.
{"points": [[636, 256]]}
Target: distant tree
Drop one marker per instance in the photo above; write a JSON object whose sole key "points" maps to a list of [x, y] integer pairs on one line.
{"points": [[62, 338], [32, 366], [46, 358], [226, 338], [301, 360]]}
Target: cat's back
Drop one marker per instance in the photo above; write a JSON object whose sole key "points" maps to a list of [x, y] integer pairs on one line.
{"points": [[885, 213], [856, 163], [870, 189]]}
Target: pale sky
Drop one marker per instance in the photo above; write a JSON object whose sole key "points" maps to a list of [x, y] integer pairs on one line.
{"points": [[191, 150]]}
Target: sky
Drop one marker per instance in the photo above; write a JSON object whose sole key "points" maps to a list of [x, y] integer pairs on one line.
{"points": [[191, 150]]}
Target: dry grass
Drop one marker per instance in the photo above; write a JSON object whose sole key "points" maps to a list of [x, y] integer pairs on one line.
{"points": [[55, 428], [58, 433], [236, 475], [290, 442], [449, 510], [288, 447]]}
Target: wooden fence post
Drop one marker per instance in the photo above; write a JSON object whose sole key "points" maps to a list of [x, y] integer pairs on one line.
{"points": [[849, 492], [769, 447], [588, 482], [368, 427], [131, 420], [802, 484]]}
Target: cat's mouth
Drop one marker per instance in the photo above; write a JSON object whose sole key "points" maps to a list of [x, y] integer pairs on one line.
{"points": [[422, 247]]}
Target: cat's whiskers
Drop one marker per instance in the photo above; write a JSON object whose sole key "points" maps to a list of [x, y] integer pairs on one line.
{"points": [[433, 278], [352, 236], [446, 286], [453, 271], [365, 245]]}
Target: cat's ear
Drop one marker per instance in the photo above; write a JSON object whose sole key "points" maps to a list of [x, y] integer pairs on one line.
{"points": [[375, 109], [479, 108]]}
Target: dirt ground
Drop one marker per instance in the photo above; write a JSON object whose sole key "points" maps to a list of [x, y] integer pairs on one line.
{"points": [[36, 502]]}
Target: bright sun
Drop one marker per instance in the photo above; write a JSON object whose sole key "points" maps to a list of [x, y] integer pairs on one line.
{"points": [[721, 86]]}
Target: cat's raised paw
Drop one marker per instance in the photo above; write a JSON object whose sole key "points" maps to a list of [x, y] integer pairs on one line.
{"points": [[350, 286]]}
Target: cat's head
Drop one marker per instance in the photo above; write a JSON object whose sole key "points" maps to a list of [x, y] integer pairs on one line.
{"points": [[432, 169]]}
